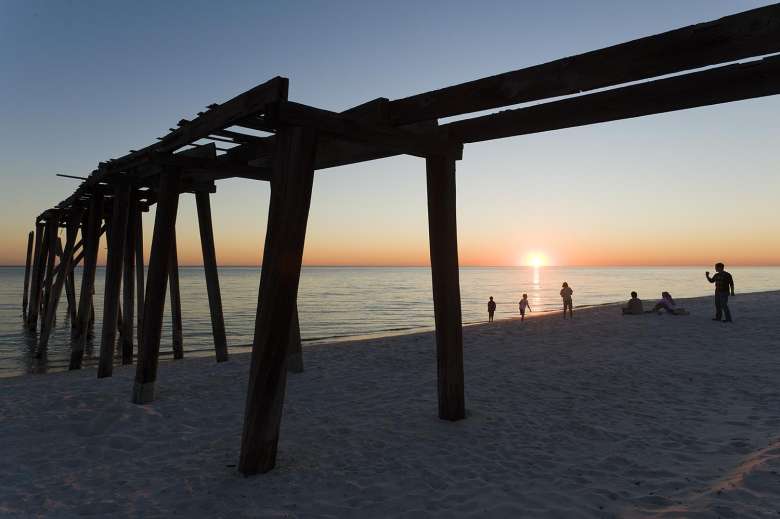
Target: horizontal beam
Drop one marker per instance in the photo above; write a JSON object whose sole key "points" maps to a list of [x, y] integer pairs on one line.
{"points": [[394, 140], [713, 86], [215, 168], [739, 36]]}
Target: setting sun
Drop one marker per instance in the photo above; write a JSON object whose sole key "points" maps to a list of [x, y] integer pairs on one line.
{"points": [[535, 260]]}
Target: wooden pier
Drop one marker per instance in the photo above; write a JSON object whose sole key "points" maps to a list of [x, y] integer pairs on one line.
{"points": [[730, 59]]}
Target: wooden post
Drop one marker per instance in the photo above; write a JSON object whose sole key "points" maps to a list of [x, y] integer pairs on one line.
{"points": [[27, 265], [139, 274], [91, 237], [154, 301], [70, 286], [70, 291], [173, 279], [52, 226], [287, 217], [128, 283], [35, 282], [116, 250], [212, 277], [65, 264], [294, 352], [443, 237]]}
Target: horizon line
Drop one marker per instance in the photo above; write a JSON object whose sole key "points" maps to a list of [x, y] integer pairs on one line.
{"points": [[622, 265]]}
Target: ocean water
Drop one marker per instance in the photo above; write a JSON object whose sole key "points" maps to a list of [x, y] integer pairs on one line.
{"points": [[336, 303]]}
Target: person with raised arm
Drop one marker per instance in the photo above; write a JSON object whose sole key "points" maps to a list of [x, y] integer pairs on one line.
{"points": [[724, 285]]}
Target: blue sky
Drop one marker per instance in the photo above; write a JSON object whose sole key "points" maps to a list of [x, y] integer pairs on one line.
{"points": [[86, 81]]}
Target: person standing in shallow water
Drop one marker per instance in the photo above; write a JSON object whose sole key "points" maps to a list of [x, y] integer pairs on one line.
{"points": [[566, 293], [491, 309], [724, 285]]}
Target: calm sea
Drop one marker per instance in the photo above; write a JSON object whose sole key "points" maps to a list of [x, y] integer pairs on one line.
{"points": [[338, 303]]}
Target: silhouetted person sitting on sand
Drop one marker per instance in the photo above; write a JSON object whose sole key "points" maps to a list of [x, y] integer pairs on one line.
{"points": [[667, 303], [566, 293], [724, 285], [491, 309], [523, 305], [634, 306]]}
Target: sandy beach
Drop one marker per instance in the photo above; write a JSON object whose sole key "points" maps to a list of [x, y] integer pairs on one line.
{"points": [[602, 416]]}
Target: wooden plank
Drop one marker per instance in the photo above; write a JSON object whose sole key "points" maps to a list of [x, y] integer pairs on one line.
{"points": [[394, 139], [717, 85], [27, 267], [128, 281], [294, 351], [443, 237], [216, 118], [157, 281], [35, 283], [116, 250], [203, 203], [282, 256], [739, 36], [173, 280], [51, 307]]}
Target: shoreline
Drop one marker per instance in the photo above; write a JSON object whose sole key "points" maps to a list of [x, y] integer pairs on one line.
{"points": [[167, 356]]}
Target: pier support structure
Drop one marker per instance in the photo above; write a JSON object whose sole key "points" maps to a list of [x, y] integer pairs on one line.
{"points": [[91, 238], [156, 283], [288, 214], [116, 252], [128, 281], [175, 300], [443, 237], [27, 266], [37, 274], [203, 203]]}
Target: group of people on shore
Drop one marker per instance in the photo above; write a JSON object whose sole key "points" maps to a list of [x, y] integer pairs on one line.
{"points": [[724, 286]]}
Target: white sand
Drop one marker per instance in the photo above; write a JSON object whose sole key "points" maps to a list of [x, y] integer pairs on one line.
{"points": [[602, 416]]}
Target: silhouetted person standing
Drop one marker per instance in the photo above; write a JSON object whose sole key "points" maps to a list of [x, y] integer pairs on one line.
{"points": [[724, 285], [491, 309], [566, 293], [523, 305]]}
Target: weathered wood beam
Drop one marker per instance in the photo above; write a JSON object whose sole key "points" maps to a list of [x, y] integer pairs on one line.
{"points": [[218, 117], [156, 283], [27, 267], [35, 283], [216, 168], [128, 281], [175, 299], [51, 307], [203, 203], [139, 276], [52, 226], [344, 127], [294, 350], [739, 36], [717, 85], [116, 250], [91, 238], [443, 237], [70, 289], [70, 286], [282, 256]]}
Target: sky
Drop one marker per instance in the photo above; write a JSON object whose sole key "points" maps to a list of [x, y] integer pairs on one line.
{"points": [[85, 81]]}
